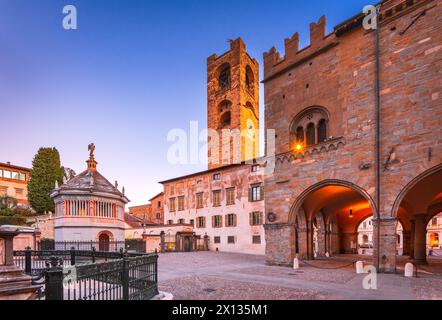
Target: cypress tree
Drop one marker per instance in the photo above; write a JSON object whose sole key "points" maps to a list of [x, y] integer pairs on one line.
{"points": [[46, 168]]}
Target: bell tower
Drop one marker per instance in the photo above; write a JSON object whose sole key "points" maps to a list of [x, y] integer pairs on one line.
{"points": [[232, 106]]}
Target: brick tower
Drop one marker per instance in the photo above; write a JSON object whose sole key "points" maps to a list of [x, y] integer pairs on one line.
{"points": [[233, 106]]}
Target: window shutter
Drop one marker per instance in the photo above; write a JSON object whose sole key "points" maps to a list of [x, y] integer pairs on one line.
{"points": [[262, 193], [251, 218], [234, 220], [213, 221], [204, 222], [226, 220], [260, 218], [250, 194]]}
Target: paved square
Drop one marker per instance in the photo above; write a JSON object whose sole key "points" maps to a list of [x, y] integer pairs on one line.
{"points": [[230, 276]]}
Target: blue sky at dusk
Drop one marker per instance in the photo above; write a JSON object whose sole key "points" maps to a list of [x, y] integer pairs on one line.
{"points": [[132, 71]]}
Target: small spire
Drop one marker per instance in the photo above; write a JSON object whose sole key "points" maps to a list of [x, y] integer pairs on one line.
{"points": [[91, 163], [56, 185], [116, 184], [123, 191]]}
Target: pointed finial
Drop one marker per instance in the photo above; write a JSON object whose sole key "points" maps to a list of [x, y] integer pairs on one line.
{"points": [[56, 185], [116, 184], [123, 191]]}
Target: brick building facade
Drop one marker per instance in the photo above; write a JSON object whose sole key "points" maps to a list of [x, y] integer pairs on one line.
{"points": [[322, 101], [14, 182], [223, 205], [152, 212]]}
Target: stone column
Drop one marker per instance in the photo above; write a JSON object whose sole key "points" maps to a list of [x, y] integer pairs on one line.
{"points": [[162, 242], [384, 244], [310, 249], [420, 239], [412, 237], [406, 237], [280, 247]]}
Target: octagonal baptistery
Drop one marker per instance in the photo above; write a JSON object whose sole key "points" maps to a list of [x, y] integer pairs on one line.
{"points": [[89, 208]]}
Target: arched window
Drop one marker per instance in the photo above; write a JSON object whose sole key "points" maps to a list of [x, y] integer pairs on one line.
{"points": [[322, 130], [310, 134], [309, 127], [224, 77], [250, 79], [225, 120], [300, 135], [365, 239]]}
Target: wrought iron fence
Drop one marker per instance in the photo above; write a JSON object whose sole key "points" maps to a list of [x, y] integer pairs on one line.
{"points": [[137, 245], [34, 262], [130, 278], [88, 275]]}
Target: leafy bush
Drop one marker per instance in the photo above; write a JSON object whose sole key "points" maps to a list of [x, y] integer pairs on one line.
{"points": [[14, 220]]}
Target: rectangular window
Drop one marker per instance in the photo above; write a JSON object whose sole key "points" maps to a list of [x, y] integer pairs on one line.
{"points": [[201, 222], [181, 203], [230, 239], [255, 218], [230, 196], [216, 198], [18, 192], [158, 216], [231, 220], [256, 193], [217, 239], [159, 204], [169, 221], [172, 205], [22, 176], [15, 175], [181, 221], [434, 221], [217, 176], [255, 168], [199, 200], [1, 173], [256, 239], [192, 222], [217, 221], [172, 190], [7, 174]]}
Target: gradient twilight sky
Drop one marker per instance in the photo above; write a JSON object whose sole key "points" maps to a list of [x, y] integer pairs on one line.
{"points": [[132, 71]]}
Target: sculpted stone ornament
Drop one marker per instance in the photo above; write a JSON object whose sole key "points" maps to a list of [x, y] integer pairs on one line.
{"points": [[91, 148], [271, 217]]}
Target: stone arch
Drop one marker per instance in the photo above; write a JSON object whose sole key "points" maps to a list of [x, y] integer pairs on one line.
{"points": [[331, 226], [410, 185], [328, 182], [104, 239], [416, 204]]}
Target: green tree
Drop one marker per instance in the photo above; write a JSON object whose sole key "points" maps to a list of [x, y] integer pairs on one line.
{"points": [[46, 168]]}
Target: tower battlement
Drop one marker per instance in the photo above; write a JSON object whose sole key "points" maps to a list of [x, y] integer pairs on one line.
{"points": [[274, 62]]}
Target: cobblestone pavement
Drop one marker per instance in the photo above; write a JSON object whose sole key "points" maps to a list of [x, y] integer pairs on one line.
{"points": [[230, 276]]}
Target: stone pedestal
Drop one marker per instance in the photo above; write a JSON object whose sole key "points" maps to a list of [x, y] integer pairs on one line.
{"points": [[14, 284]]}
